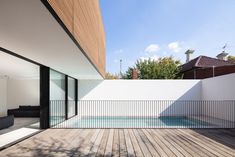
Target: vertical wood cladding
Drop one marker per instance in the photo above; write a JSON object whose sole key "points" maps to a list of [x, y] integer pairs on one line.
{"points": [[83, 19]]}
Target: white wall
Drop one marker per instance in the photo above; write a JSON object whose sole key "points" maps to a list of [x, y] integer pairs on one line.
{"points": [[22, 92], [57, 93], [139, 90], [132, 90], [3, 96], [57, 89], [221, 89]]}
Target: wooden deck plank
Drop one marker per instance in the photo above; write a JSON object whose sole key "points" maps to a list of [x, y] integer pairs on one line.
{"points": [[174, 144], [206, 144], [218, 135], [135, 144], [66, 142], [45, 142], [123, 150], [115, 149], [194, 146], [96, 144], [104, 140], [126, 142], [148, 144], [168, 144], [142, 144], [197, 145], [89, 143], [130, 150], [184, 144], [223, 149], [109, 146], [223, 136], [77, 142], [229, 132], [155, 144], [161, 143]]}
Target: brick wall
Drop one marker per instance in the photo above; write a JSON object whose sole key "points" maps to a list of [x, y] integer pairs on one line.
{"points": [[208, 72]]}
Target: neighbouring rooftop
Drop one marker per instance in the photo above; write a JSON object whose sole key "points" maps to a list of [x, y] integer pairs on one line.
{"points": [[205, 62]]}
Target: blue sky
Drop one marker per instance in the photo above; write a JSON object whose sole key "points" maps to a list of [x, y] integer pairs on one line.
{"points": [[157, 28]]}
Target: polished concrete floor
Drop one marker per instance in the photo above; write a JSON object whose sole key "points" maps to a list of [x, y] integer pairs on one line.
{"points": [[22, 128], [20, 123]]}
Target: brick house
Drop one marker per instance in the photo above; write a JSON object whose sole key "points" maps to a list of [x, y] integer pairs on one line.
{"points": [[205, 67]]}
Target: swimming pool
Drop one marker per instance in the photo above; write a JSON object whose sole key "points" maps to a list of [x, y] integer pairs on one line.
{"points": [[134, 122]]}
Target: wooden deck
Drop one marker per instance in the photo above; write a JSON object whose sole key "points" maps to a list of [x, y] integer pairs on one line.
{"points": [[126, 142]]}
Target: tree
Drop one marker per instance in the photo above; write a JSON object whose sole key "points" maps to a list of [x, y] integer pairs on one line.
{"points": [[128, 74], [231, 58], [163, 68], [110, 76]]}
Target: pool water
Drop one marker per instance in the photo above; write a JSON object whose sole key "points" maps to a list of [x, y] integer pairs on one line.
{"points": [[56, 120], [135, 122]]}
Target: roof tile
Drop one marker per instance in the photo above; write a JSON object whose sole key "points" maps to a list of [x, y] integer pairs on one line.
{"points": [[204, 62]]}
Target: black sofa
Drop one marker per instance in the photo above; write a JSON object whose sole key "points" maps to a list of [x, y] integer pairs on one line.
{"points": [[25, 111], [6, 121]]}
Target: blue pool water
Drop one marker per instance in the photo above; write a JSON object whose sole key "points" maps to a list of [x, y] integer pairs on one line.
{"points": [[134, 122]]}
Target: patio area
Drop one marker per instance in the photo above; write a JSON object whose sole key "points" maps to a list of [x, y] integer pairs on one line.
{"points": [[127, 142]]}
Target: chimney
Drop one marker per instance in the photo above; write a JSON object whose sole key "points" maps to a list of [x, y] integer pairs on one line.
{"points": [[189, 55], [222, 56], [134, 74]]}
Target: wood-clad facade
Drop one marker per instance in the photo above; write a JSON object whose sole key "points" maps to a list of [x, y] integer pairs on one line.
{"points": [[83, 20]]}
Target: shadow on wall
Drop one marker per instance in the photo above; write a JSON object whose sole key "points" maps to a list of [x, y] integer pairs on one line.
{"points": [[60, 87], [57, 89], [217, 112], [184, 105], [92, 84]]}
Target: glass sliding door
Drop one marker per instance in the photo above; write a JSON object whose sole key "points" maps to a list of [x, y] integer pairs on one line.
{"points": [[71, 97], [57, 98]]}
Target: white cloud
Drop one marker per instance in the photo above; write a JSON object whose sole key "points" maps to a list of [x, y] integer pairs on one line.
{"points": [[175, 46], [152, 48]]}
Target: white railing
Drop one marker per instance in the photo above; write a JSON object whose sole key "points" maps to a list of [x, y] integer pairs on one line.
{"points": [[149, 114]]}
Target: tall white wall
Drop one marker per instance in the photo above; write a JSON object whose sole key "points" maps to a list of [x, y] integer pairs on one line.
{"points": [[57, 89], [219, 88], [128, 91], [3, 96], [222, 90], [22, 92], [57, 93], [139, 90]]}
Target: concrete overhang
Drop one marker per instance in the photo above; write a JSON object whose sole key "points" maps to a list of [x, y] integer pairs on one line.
{"points": [[28, 29]]}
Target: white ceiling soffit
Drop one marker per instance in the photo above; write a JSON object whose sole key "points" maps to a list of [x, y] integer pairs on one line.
{"points": [[15, 68], [27, 28]]}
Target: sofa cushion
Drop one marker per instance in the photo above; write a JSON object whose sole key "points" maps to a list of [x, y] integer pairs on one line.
{"points": [[25, 111], [29, 108], [21, 113], [6, 122]]}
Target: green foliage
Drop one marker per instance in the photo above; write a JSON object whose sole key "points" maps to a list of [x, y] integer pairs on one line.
{"points": [[128, 74], [109, 76], [231, 58], [163, 68]]}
